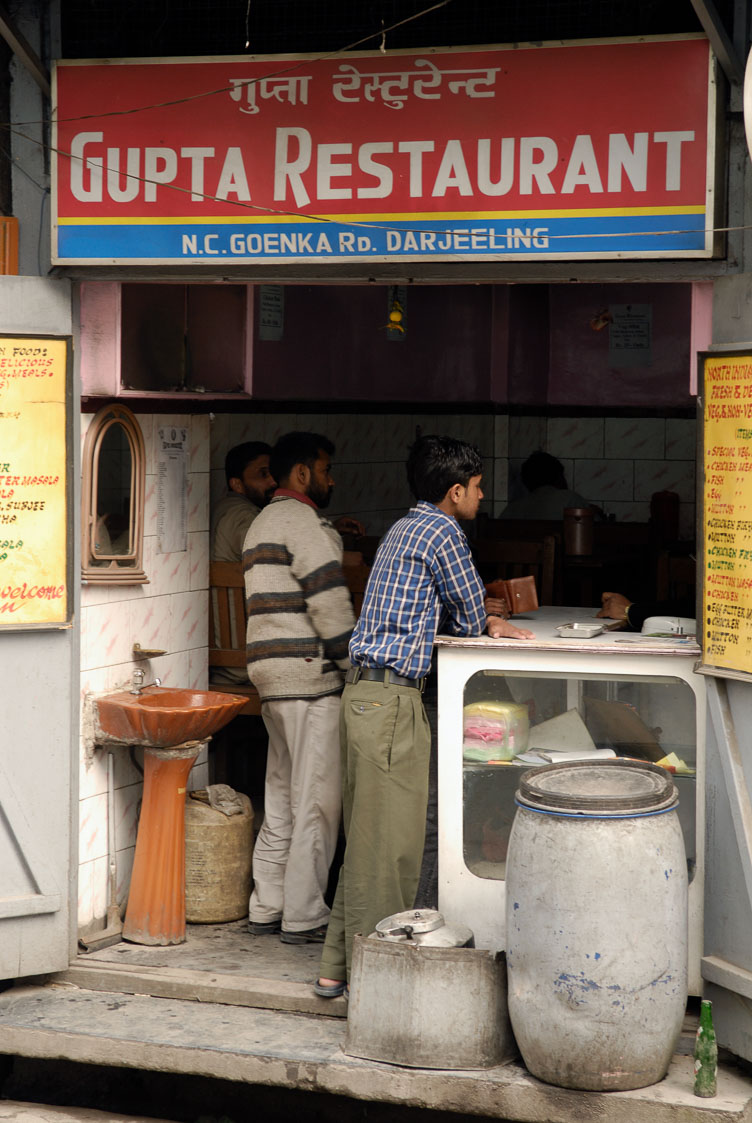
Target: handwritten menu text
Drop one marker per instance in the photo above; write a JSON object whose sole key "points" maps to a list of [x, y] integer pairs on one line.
{"points": [[33, 482], [727, 507]]}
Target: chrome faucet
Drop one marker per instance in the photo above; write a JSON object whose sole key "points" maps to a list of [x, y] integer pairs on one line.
{"points": [[137, 684]]}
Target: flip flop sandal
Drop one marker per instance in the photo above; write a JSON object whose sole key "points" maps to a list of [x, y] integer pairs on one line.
{"points": [[332, 990]]}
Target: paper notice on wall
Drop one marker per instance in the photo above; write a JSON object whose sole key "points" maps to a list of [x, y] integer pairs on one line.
{"points": [[172, 490], [630, 341], [271, 311], [727, 513]]}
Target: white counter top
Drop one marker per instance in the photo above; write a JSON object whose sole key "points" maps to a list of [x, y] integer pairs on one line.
{"points": [[546, 619]]}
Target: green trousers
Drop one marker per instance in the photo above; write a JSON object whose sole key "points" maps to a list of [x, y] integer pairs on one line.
{"points": [[385, 740]]}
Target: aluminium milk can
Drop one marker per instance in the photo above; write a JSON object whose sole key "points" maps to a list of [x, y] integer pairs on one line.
{"points": [[596, 917], [422, 997], [423, 926]]}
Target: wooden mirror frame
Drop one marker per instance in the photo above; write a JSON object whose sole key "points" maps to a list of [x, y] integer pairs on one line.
{"points": [[122, 569]]}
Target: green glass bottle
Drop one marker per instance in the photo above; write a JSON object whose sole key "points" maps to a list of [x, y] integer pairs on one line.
{"points": [[706, 1053]]}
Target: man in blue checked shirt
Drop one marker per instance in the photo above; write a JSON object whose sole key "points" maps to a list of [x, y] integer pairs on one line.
{"points": [[423, 580]]}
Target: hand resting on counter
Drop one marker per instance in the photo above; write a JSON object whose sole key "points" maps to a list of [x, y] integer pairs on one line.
{"points": [[614, 606], [505, 629]]}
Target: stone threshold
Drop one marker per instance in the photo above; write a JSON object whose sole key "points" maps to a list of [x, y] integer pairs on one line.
{"points": [[304, 1051], [200, 986]]}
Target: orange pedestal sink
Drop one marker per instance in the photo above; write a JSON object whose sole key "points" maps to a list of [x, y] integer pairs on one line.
{"points": [[171, 725], [160, 716]]}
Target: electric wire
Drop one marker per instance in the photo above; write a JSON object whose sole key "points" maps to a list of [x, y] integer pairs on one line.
{"points": [[328, 219], [16, 163], [360, 223], [306, 61]]}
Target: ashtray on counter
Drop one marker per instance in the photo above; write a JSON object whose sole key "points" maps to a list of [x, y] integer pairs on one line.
{"points": [[579, 630]]}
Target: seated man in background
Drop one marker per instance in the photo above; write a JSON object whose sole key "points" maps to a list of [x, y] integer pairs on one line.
{"points": [[544, 478], [615, 606], [249, 488]]}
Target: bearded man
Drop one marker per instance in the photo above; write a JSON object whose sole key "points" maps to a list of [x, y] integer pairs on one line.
{"points": [[300, 619], [250, 486]]}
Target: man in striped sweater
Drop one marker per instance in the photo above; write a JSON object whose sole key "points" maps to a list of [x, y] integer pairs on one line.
{"points": [[300, 619]]}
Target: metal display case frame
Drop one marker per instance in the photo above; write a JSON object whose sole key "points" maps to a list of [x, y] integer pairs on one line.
{"points": [[478, 901]]}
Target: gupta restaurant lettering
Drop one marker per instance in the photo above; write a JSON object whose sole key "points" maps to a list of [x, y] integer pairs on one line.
{"points": [[466, 153]]}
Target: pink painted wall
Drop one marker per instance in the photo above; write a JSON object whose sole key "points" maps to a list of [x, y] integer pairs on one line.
{"points": [[516, 345], [580, 371], [702, 327], [100, 338], [336, 348], [529, 330]]}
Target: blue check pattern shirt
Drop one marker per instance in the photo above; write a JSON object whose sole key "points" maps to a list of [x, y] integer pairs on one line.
{"points": [[423, 581]]}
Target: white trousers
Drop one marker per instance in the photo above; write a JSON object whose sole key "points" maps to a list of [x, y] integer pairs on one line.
{"points": [[302, 808]]}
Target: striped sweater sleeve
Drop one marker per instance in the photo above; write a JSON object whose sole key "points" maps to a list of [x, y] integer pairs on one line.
{"points": [[317, 566]]}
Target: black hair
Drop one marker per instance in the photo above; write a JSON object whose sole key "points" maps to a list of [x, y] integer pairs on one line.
{"points": [[437, 463], [239, 457], [297, 448], [542, 468]]}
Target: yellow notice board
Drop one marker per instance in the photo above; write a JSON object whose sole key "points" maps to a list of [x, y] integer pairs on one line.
{"points": [[727, 514], [34, 455]]}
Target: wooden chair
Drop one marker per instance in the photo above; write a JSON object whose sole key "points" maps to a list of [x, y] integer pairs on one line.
{"points": [[227, 629], [364, 544], [676, 575], [525, 530], [356, 575], [628, 536], [520, 558], [227, 619]]}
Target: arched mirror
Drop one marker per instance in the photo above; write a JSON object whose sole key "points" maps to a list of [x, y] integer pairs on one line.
{"points": [[112, 506]]}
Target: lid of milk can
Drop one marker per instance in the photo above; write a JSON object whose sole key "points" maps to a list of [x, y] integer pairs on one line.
{"points": [[599, 788], [404, 924]]}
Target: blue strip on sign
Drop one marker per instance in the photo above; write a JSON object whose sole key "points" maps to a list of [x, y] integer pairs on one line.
{"points": [[464, 238]]}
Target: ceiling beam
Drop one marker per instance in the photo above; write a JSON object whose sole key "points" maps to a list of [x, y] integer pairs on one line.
{"points": [[23, 51], [720, 41]]}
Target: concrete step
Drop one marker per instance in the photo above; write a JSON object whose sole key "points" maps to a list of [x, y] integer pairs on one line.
{"points": [[215, 963], [305, 1052], [14, 1111], [202, 986]]}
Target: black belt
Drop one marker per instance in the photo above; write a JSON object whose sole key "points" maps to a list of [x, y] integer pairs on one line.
{"points": [[383, 674]]}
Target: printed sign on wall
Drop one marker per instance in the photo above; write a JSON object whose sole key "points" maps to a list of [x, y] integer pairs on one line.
{"points": [[727, 512], [271, 315], [630, 335], [33, 482], [172, 490], [574, 150]]}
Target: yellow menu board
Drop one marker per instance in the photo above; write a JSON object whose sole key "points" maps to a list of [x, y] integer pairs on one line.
{"points": [[727, 513], [34, 567]]}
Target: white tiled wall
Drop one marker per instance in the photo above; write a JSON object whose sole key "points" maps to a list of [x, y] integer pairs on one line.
{"points": [[171, 613], [615, 462], [370, 454]]}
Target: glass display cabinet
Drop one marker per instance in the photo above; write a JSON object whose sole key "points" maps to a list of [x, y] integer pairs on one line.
{"points": [[509, 705]]}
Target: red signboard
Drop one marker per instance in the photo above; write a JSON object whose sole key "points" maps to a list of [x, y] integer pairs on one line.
{"points": [[589, 149]]}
